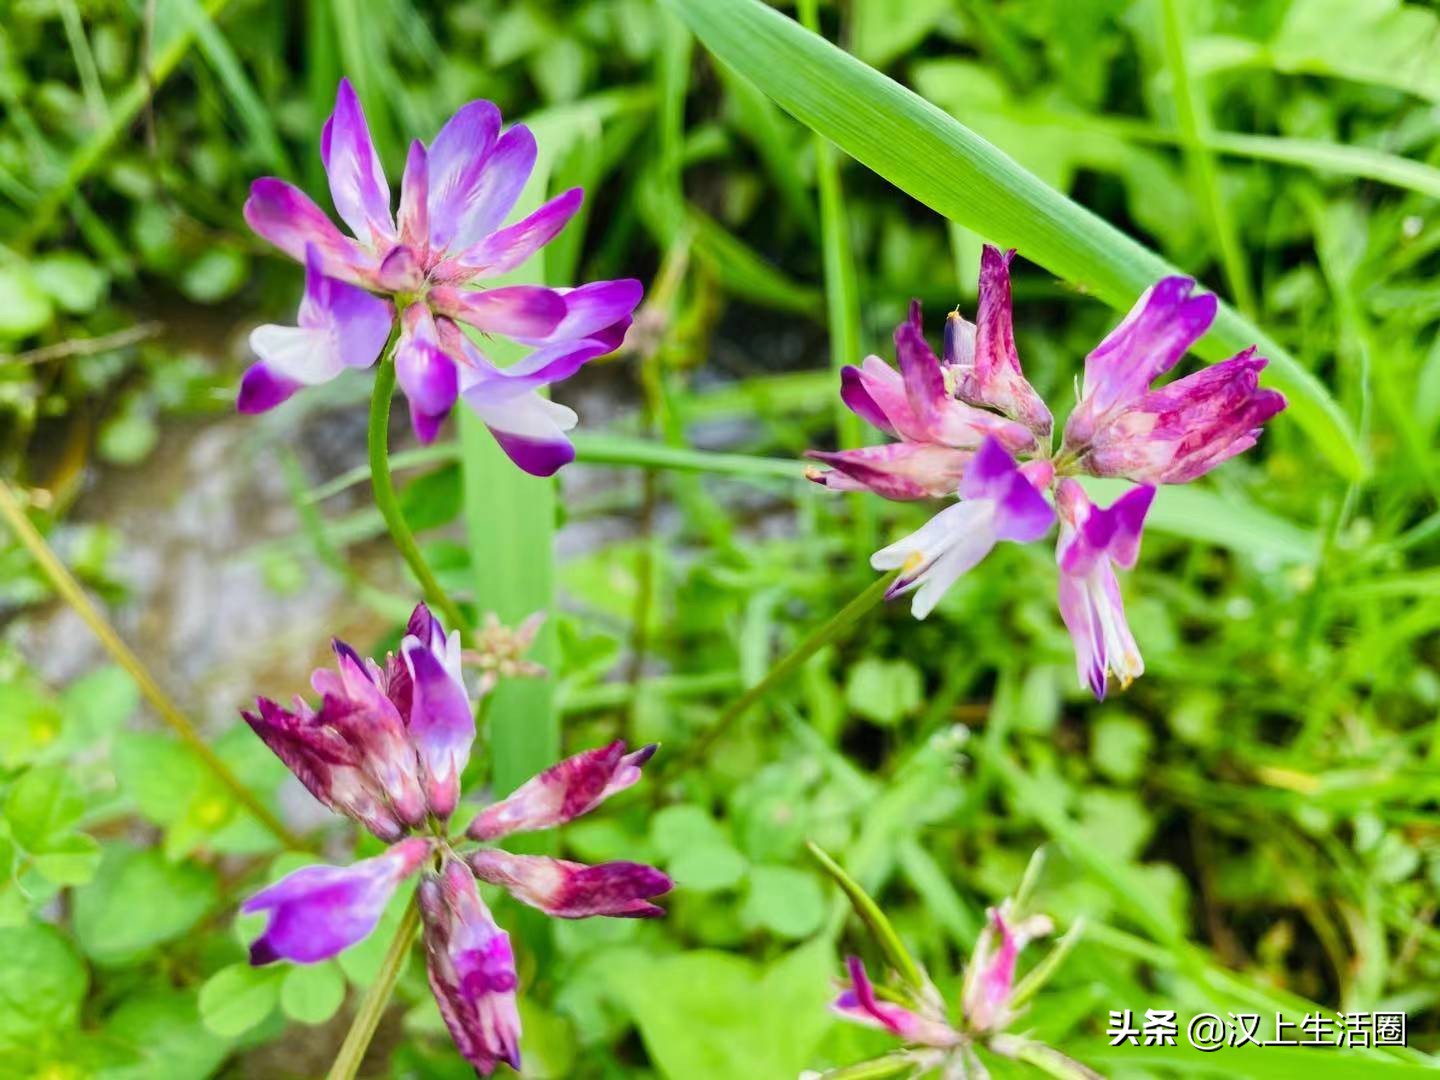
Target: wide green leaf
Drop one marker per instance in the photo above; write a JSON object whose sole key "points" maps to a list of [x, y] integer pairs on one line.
{"points": [[937, 160]]}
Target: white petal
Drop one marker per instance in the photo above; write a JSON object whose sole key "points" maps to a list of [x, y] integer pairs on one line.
{"points": [[305, 354]]}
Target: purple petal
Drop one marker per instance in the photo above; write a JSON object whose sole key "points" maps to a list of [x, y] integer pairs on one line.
{"points": [[920, 369], [318, 911], [538, 457], [571, 890], [471, 968], [993, 377], [425, 372], [563, 792], [900, 471], [357, 181], [400, 271], [285, 215], [459, 162], [1162, 325], [503, 250], [594, 309], [525, 311], [442, 725], [860, 1004], [262, 389], [492, 196], [1094, 614], [529, 428], [414, 217], [857, 398]]}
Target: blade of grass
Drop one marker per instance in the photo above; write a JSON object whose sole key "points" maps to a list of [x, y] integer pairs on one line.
{"points": [[1193, 116], [870, 914], [943, 164]]}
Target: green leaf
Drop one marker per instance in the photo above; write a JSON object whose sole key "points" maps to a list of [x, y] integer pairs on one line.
{"points": [[312, 993], [72, 281], [24, 307], [238, 997], [1376, 41], [30, 721], [163, 1028], [42, 982], [139, 900], [68, 860], [707, 868], [215, 275], [99, 702], [884, 691], [946, 166], [41, 805], [713, 1014], [783, 900]]}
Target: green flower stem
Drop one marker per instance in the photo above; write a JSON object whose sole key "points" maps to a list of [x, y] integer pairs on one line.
{"points": [[874, 919], [71, 592], [383, 486], [377, 997], [835, 627]]}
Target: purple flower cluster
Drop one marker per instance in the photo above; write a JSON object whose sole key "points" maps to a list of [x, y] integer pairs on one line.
{"points": [[969, 423], [387, 746], [424, 269]]}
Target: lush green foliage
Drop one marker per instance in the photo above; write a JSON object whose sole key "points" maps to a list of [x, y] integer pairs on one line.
{"points": [[1253, 826]]}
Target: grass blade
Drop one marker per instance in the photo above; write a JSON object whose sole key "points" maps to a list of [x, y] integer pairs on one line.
{"points": [[938, 161]]}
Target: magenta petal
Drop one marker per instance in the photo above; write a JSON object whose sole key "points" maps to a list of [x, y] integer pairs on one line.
{"points": [[459, 159], [494, 193], [571, 890], [471, 968], [596, 307], [425, 372], [900, 471], [357, 181], [524, 311], [358, 323], [414, 216], [262, 389], [563, 792], [1022, 514], [318, 911], [442, 725], [856, 396], [285, 216], [860, 1004], [920, 369], [538, 457], [504, 250]]}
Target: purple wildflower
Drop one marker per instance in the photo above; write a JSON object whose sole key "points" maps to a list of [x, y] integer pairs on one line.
{"points": [[387, 747], [970, 424], [455, 195]]}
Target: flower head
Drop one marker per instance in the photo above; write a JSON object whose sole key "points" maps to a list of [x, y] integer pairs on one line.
{"points": [[969, 423], [449, 234], [924, 1025], [387, 746]]}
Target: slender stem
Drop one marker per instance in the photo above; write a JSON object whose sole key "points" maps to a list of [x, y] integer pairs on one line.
{"points": [[383, 486], [71, 592], [377, 997], [833, 628]]}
